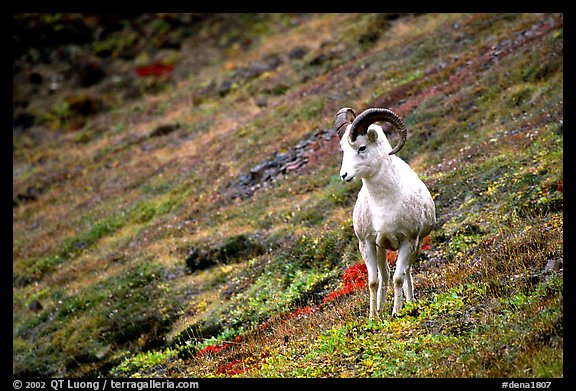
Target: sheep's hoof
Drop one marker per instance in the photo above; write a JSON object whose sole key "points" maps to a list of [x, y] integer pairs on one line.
{"points": [[375, 317]]}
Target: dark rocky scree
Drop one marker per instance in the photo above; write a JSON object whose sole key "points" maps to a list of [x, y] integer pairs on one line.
{"points": [[280, 164]]}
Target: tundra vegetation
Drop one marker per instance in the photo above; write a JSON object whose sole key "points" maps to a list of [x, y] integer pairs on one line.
{"points": [[178, 211]]}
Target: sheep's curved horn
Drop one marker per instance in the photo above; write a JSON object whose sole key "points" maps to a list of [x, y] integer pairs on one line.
{"points": [[344, 117], [369, 116]]}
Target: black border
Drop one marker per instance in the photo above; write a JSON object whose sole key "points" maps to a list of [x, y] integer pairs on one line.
{"points": [[298, 6]]}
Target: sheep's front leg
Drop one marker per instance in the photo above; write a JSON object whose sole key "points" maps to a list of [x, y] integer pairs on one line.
{"points": [[407, 254], [383, 278], [368, 251]]}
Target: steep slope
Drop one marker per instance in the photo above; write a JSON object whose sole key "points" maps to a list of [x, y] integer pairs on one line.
{"points": [[199, 227]]}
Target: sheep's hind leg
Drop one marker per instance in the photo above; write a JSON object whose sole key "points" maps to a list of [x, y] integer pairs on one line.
{"points": [[402, 276], [408, 287], [368, 251]]}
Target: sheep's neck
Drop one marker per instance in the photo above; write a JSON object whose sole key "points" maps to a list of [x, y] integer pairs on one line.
{"points": [[384, 186]]}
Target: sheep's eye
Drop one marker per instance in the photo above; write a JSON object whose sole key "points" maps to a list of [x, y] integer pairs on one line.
{"points": [[362, 148]]}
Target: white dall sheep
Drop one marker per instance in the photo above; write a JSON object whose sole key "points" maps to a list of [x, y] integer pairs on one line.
{"points": [[394, 209]]}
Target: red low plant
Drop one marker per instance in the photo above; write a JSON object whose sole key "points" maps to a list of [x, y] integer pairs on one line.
{"points": [[426, 245], [391, 257], [213, 349], [238, 366], [230, 368], [156, 69], [301, 312], [218, 348], [356, 276]]}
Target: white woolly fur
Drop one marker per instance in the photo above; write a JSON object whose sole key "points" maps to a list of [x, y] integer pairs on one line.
{"points": [[394, 211]]}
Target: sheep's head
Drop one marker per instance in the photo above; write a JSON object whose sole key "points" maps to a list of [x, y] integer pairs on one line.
{"points": [[359, 140]]}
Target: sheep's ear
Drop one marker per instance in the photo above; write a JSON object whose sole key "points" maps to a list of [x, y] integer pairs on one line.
{"points": [[372, 135]]}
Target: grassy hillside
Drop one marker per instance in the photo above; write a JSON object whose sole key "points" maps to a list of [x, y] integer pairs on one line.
{"points": [[177, 210]]}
